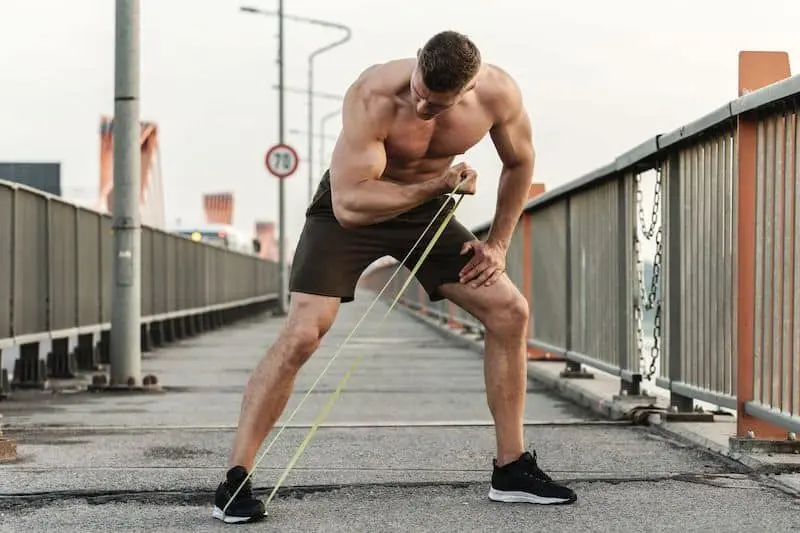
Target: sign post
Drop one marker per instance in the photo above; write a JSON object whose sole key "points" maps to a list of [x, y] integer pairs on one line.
{"points": [[282, 162]]}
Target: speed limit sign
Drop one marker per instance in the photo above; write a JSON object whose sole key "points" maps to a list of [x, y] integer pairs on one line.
{"points": [[282, 160]]}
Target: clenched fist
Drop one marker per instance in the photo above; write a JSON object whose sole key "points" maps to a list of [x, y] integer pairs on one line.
{"points": [[460, 174]]}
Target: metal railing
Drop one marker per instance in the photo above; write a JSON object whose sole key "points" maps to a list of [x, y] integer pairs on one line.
{"points": [[55, 284], [718, 319]]}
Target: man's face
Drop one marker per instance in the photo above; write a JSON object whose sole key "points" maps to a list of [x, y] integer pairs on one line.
{"points": [[429, 104]]}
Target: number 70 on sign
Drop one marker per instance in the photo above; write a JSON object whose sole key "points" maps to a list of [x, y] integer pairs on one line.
{"points": [[282, 160]]}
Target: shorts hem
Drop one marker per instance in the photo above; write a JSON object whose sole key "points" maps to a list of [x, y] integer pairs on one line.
{"points": [[433, 293], [345, 298]]}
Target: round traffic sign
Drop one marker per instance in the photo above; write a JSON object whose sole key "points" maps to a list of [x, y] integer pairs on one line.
{"points": [[282, 160]]}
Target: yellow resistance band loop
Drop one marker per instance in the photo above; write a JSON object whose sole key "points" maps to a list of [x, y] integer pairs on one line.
{"points": [[329, 405], [336, 393]]}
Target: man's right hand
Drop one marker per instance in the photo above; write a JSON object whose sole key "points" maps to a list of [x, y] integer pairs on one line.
{"points": [[463, 174]]}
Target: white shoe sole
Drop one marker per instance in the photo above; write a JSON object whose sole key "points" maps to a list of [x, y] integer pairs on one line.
{"points": [[522, 497], [228, 519]]}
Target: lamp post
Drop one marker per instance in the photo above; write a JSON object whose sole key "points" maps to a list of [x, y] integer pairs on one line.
{"points": [[126, 355], [310, 97], [322, 135], [310, 88], [282, 274]]}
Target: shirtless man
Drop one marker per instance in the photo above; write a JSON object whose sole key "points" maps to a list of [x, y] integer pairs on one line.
{"points": [[403, 123]]}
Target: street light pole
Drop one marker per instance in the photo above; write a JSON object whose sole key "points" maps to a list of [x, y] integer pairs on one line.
{"points": [[282, 270], [283, 289], [322, 136], [126, 355], [281, 91], [310, 88], [310, 97]]}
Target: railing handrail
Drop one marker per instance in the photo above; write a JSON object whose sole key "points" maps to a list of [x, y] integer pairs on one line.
{"points": [[645, 155], [73, 204]]}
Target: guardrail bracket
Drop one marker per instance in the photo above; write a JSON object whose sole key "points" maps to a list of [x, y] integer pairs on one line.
{"points": [[5, 386], [101, 383], [752, 445]]}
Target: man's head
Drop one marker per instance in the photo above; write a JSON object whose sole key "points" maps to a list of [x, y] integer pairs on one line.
{"points": [[446, 70]]}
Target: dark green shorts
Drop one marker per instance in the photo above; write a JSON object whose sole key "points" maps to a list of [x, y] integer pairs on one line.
{"points": [[330, 259]]}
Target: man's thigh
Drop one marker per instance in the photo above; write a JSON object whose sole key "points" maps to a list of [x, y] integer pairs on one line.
{"points": [[445, 261], [329, 259]]}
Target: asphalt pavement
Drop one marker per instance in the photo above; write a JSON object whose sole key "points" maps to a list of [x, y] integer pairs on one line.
{"points": [[407, 447]]}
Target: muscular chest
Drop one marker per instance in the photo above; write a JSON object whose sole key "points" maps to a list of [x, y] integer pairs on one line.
{"points": [[446, 136]]}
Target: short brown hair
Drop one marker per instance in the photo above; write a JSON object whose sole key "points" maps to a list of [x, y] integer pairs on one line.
{"points": [[448, 61]]}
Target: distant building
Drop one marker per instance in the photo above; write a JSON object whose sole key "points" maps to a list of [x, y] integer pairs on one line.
{"points": [[45, 177]]}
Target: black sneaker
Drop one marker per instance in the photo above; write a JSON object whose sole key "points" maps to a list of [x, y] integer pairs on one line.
{"points": [[524, 482], [244, 507]]}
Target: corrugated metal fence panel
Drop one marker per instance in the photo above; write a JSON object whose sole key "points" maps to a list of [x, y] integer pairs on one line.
{"points": [[6, 258], [31, 263], [147, 277], [62, 241], [106, 262], [549, 259], [89, 274]]}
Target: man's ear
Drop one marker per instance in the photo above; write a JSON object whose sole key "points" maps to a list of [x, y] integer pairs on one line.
{"points": [[419, 51]]}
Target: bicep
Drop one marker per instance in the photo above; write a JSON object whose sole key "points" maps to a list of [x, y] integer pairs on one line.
{"points": [[359, 153], [356, 157]]}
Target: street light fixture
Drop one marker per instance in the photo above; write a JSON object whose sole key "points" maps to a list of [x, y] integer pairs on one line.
{"points": [[310, 88], [295, 131], [329, 96]]}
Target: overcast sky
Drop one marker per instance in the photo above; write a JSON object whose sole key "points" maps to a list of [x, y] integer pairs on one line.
{"points": [[597, 78]]}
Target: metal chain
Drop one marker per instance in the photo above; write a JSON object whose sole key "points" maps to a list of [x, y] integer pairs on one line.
{"points": [[651, 299]]}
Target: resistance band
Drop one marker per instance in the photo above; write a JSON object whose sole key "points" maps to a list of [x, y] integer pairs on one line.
{"points": [[334, 396]]}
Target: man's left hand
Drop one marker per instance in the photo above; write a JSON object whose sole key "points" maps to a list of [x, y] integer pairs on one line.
{"points": [[486, 265]]}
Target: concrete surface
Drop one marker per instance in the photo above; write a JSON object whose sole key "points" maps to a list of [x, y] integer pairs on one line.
{"points": [[407, 447]]}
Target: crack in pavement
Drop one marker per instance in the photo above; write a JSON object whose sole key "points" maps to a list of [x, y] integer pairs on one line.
{"points": [[202, 497]]}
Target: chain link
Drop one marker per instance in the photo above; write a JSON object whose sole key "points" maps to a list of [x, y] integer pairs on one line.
{"points": [[651, 299]]}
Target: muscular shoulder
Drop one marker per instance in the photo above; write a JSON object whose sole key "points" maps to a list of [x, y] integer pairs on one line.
{"points": [[500, 94], [373, 95]]}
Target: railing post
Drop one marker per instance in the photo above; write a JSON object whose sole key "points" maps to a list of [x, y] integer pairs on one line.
{"points": [[674, 296], [746, 158], [572, 368], [755, 71], [527, 280], [631, 386]]}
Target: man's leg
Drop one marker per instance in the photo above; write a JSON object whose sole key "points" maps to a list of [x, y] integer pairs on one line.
{"points": [[265, 398], [504, 314], [503, 311], [272, 381], [326, 267]]}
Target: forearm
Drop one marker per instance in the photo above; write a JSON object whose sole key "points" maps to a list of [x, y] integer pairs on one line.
{"points": [[512, 194], [373, 201]]}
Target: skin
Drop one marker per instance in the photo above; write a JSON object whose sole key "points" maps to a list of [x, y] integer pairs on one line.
{"points": [[395, 152]]}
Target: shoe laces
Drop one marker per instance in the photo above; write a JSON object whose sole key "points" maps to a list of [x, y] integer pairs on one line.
{"points": [[245, 492], [530, 468]]}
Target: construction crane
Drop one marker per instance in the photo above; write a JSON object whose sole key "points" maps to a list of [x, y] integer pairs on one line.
{"points": [[151, 194]]}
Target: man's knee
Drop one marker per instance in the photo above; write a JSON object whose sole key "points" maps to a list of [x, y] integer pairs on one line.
{"points": [[507, 313], [309, 319]]}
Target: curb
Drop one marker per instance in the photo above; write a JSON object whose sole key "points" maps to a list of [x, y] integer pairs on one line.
{"points": [[613, 409]]}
